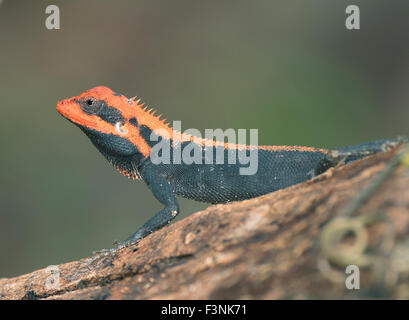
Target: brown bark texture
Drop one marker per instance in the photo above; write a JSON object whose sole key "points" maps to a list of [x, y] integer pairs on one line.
{"points": [[295, 243]]}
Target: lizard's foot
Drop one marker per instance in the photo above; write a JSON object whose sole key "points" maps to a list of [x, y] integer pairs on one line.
{"points": [[117, 246], [105, 251], [162, 218], [125, 244]]}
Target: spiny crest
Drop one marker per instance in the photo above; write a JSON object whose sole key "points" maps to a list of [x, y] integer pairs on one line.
{"points": [[150, 111]]}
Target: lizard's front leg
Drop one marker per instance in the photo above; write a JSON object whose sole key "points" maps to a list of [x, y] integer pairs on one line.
{"points": [[163, 191]]}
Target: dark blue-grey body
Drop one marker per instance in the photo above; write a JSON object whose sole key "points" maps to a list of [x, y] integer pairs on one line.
{"points": [[221, 182]]}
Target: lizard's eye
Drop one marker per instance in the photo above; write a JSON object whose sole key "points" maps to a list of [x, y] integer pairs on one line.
{"points": [[91, 105]]}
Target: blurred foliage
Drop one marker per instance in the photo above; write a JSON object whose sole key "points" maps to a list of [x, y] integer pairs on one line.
{"points": [[288, 68]]}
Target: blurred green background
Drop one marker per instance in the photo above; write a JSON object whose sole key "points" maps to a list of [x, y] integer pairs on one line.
{"points": [[288, 68]]}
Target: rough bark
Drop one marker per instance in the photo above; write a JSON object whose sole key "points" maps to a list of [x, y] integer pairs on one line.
{"points": [[272, 247]]}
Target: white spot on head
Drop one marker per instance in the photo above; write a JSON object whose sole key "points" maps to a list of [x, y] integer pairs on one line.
{"points": [[120, 128]]}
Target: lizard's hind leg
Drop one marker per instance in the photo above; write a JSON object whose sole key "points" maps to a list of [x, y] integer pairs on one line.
{"points": [[351, 153]]}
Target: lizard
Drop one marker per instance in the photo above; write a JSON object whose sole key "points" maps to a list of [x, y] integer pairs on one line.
{"points": [[126, 130]]}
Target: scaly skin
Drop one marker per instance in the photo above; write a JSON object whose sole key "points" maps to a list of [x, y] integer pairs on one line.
{"points": [[121, 129]]}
